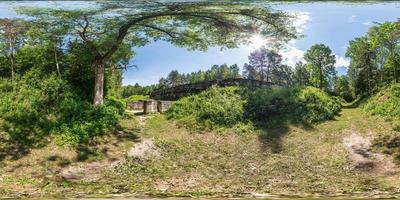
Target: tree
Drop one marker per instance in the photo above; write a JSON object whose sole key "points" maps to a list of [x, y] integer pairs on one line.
{"points": [[300, 75], [195, 25], [363, 71], [386, 40], [342, 88], [282, 75], [174, 78], [11, 38], [262, 63], [320, 65]]}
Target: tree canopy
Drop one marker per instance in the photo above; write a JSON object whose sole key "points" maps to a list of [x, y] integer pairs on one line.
{"points": [[103, 30]]}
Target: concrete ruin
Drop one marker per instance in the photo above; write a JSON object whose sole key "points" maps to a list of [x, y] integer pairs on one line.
{"points": [[138, 105], [150, 106]]}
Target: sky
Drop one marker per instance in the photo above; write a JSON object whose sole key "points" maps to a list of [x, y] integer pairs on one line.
{"points": [[330, 23]]}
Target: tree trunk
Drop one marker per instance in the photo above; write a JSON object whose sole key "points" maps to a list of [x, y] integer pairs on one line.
{"points": [[56, 60], [99, 82], [12, 59], [321, 79]]}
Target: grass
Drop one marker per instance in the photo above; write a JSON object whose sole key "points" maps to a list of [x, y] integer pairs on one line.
{"points": [[292, 161]]}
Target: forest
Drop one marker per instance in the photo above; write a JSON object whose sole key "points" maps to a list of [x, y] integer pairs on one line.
{"points": [[61, 73]]}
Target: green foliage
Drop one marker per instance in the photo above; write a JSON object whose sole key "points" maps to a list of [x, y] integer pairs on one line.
{"points": [[386, 102], [342, 88], [217, 72], [213, 108], [320, 66], [375, 58], [40, 105], [119, 104], [316, 105], [270, 104], [135, 98], [306, 105], [133, 90], [235, 107]]}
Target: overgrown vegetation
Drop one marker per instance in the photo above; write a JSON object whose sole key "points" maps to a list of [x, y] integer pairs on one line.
{"points": [[213, 108], [38, 106], [386, 103], [232, 106]]}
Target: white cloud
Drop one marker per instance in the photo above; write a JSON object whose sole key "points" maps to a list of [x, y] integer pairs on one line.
{"points": [[291, 55], [301, 20], [342, 61], [368, 23], [352, 19]]}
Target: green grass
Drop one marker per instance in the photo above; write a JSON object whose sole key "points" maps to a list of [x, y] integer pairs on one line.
{"points": [[290, 160]]}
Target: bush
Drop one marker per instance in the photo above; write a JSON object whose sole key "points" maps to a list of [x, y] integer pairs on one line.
{"points": [[385, 103], [213, 108], [119, 104], [305, 105], [228, 107], [270, 104], [316, 105], [40, 105]]}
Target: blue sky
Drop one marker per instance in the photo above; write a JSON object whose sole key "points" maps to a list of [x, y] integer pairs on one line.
{"points": [[330, 23]]}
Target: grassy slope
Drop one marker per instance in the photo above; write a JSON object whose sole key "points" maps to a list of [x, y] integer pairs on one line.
{"points": [[290, 160]]}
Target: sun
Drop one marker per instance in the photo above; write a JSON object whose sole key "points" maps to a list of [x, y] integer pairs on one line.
{"points": [[257, 41]]}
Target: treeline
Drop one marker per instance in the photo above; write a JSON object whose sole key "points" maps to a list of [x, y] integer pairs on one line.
{"points": [[217, 72], [268, 65]]}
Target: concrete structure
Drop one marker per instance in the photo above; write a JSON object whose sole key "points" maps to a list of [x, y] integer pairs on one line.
{"points": [[150, 106], [135, 105], [163, 106]]}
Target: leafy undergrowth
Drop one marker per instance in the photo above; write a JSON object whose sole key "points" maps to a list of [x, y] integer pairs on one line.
{"points": [[386, 103], [38, 108], [235, 107], [291, 160]]}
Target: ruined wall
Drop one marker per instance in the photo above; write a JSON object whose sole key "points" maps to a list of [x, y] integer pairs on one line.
{"points": [[163, 106], [135, 105], [150, 106]]}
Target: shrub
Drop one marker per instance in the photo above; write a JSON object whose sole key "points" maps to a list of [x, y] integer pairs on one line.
{"points": [[316, 105], [308, 105], [40, 105], [119, 104], [228, 107], [213, 108], [270, 104], [385, 103]]}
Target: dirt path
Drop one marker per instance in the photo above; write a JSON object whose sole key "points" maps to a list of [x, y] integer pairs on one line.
{"points": [[363, 158]]}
